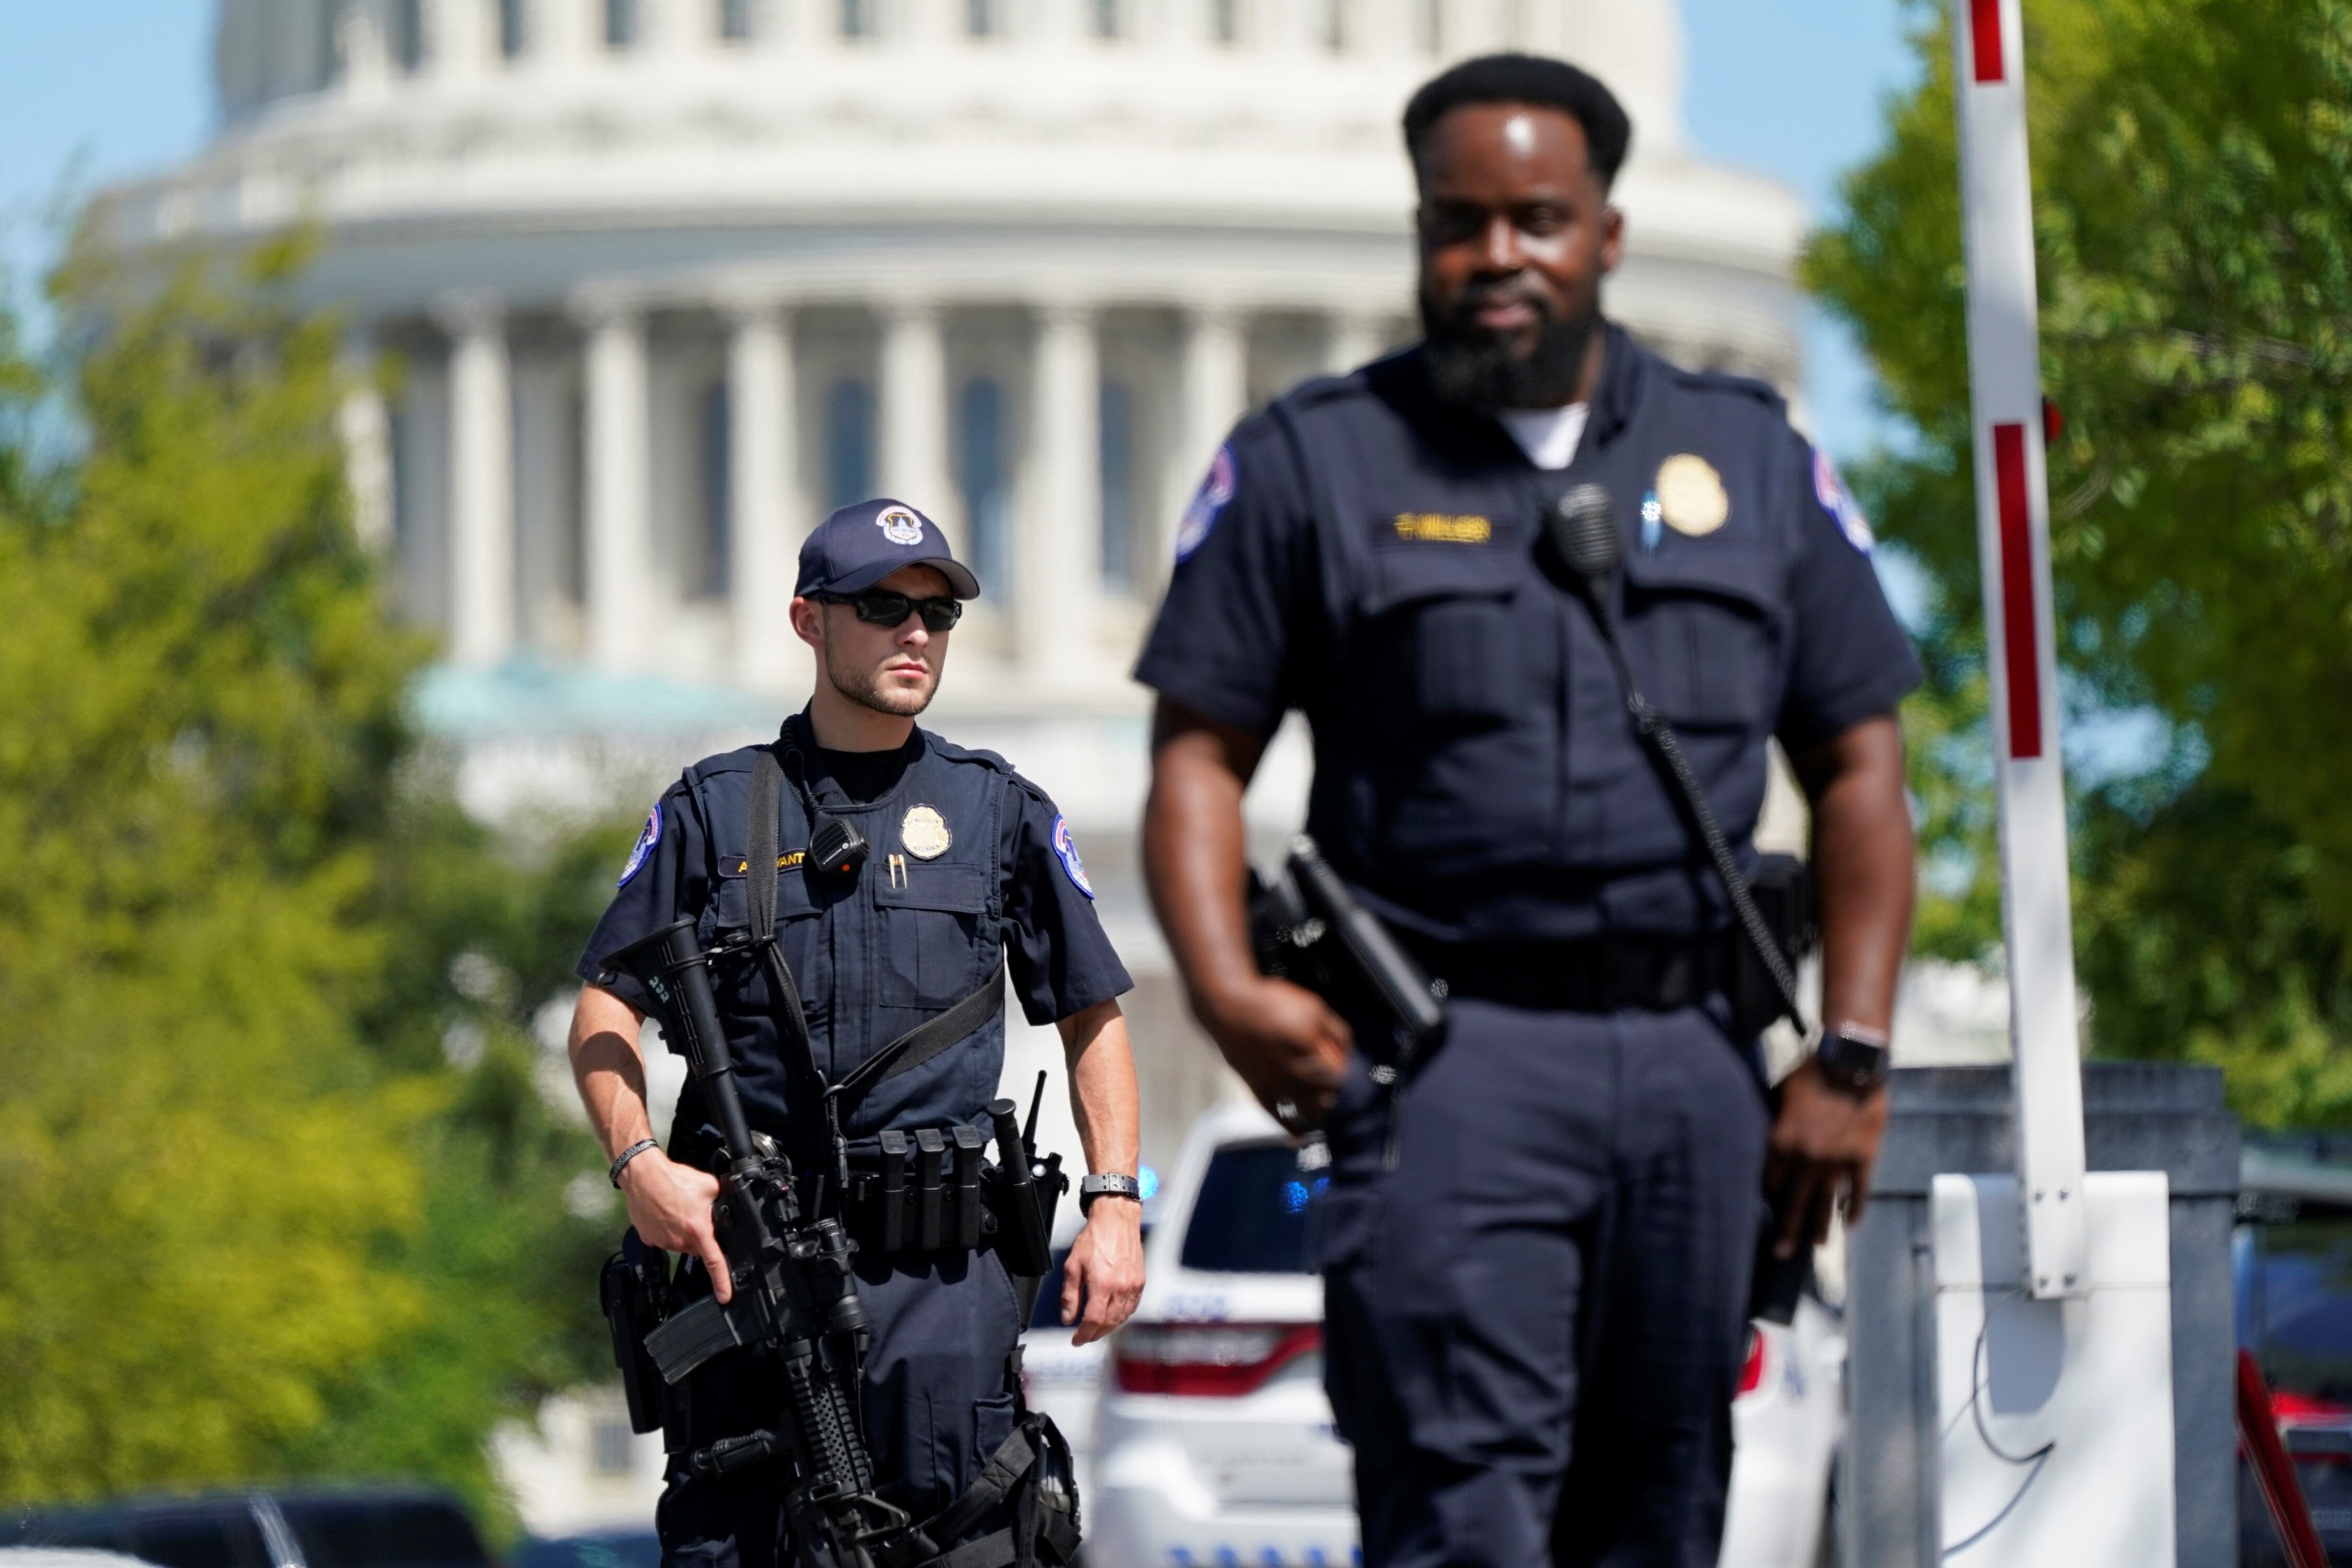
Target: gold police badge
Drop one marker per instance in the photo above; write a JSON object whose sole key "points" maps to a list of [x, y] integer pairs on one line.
{"points": [[924, 832], [1691, 496]]}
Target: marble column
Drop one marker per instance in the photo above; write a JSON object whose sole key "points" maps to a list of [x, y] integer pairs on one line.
{"points": [[1350, 338], [1285, 27], [914, 406], [1059, 553], [674, 29], [618, 480], [461, 37], [925, 26], [547, 504], [364, 424], [1213, 396], [481, 483], [1386, 29], [562, 34], [761, 450], [363, 46], [1063, 23]]}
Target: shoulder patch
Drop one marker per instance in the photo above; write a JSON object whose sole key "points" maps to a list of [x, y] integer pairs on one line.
{"points": [[1066, 850], [1830, 490], [1208, 502], [648, 836]]}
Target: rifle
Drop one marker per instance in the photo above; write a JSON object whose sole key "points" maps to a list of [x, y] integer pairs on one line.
{"points": [[794, 1295]]}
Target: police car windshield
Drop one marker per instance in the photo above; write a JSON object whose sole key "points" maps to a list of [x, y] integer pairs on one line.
{"points": [[1252, 1214]]}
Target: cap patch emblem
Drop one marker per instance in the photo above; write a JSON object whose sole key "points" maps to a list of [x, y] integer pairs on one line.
{"points": [[925, 833], [644, 851], [1691, 496], [899, 526], [1066, 850], [1210, 500], [1836, 502]]}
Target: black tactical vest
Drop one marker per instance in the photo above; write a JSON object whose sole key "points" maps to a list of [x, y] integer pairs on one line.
{"points": [[916, 929]]}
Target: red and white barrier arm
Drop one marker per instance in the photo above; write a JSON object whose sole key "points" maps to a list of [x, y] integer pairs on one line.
{"points": [[2014, 541]]}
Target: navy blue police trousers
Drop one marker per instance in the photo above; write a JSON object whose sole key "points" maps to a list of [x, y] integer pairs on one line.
{"points": [[937, 1401], [1535, 1322]]}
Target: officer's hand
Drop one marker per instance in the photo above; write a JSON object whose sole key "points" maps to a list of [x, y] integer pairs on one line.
{"points": [[1824, 1143], [1105, 1272], [1288, 1044], [670, 1205]]}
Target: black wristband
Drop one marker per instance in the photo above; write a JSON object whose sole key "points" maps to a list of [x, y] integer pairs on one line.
{"points": [[1108, 1186], [620, 1161], [1853, 1058]]}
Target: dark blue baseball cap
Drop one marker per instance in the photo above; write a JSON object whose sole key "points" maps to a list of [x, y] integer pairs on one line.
{"points": [[859, 545]]}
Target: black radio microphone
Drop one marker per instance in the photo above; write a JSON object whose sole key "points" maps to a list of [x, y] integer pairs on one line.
{"points": [[1582, 527]]}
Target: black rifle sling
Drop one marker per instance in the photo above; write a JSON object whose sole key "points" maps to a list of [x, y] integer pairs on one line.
{"points": [[760, 883], [910, 1050], [927, 1038], [1691, 796]]}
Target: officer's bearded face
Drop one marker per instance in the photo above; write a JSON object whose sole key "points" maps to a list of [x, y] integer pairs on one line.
{"points": [[1516, 234], [891, 670]]}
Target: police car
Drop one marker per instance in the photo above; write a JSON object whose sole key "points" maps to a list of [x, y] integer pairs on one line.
{"points": [[1212, 1442]]}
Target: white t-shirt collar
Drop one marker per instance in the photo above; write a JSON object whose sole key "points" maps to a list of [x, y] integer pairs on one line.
{"points": [[1547, 435]]}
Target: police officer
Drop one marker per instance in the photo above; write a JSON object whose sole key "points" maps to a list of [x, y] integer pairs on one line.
{"points": [[968, 870], [1534, 1319]]}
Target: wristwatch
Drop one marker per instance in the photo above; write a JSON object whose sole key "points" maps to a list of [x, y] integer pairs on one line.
{"points": [[1852, 1057], [1108, 1186]]}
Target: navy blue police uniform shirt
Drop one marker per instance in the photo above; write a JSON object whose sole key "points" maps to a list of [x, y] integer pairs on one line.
{"points": [[1060, 960], [1367, 554]]}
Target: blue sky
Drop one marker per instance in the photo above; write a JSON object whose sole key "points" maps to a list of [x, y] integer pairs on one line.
{"points": [[94, 90]]}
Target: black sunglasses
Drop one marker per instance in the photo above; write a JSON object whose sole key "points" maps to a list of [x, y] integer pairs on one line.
{"points": [[880, 609]]}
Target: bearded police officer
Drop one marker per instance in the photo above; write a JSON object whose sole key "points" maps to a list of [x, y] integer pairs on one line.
{"points": [[1535, 1318], [967, 870]]}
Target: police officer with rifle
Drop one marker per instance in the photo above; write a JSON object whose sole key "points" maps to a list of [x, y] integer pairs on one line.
{"points": [[822, 926]]}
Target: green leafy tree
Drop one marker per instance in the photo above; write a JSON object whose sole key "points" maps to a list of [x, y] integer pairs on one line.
{"points": [[278, 1192], [484, 934], [2193, 212]]}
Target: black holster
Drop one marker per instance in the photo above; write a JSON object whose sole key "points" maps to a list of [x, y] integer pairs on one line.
{"points": [[1783, 887], [636, 1295]]}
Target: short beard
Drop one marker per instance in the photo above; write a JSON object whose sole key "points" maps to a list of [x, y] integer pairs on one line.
{"points": [[1475, 370], [860, 688]]}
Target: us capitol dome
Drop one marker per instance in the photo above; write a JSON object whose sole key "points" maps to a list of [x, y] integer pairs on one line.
{"points": [[652, 285]]}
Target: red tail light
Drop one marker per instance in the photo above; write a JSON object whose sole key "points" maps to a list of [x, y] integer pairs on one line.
{"points": [[2292, 1409], [1751, 1371], [1209, 1359]]}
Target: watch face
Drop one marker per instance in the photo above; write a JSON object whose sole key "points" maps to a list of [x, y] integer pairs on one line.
{"points": [[1855, 1058]]}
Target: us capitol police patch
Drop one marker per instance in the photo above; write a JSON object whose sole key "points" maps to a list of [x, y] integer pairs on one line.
{"points": [[899, 526], [1691, 496], [647, 837], [925, 833]]}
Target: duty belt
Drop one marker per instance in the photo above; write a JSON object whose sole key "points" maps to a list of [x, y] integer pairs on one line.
{"points": [[925, 1191], [1599, 975]]}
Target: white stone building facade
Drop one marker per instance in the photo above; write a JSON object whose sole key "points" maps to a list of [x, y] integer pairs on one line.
{"points": [[666, 280]]}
